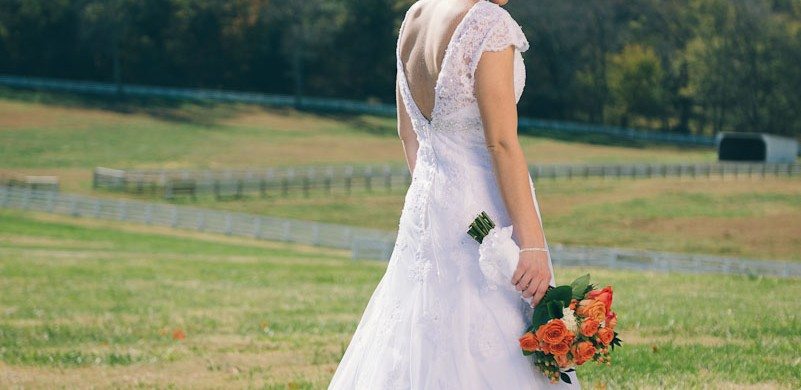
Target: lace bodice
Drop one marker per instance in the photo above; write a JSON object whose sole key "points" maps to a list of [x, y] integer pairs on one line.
{"points": [[485, 27]]}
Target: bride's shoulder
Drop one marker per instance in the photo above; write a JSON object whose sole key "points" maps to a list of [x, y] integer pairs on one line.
{"points": [[497, 28], [492, 11]]}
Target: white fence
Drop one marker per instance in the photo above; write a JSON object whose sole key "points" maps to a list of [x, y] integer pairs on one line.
{"points": [[187, 217], [346, 178], [364, 243], [527, 125]]}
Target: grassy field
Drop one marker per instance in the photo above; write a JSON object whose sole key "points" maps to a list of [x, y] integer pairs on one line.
{"points": [[94, 303], [47, 133], [65, 135], [755, 218]]}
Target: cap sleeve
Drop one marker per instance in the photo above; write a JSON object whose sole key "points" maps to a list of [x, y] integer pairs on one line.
{"points": [[504, 32], [500, 32]]}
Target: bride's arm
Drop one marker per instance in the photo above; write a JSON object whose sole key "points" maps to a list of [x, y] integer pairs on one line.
{"points": [[494, 80], [406, 132]]}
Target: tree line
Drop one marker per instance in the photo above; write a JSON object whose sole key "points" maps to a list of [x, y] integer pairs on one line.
{"points": [[687, 66]]}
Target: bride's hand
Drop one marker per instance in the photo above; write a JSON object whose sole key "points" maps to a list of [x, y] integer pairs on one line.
{"points": [[532, 276]]}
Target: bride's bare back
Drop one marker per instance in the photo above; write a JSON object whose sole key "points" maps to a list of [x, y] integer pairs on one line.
{"points": [[428, 30]]}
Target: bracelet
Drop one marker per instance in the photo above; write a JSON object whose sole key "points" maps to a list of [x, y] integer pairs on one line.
{"points": [[532, 249]]}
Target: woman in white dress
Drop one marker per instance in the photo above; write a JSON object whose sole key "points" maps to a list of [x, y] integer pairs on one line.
{"points": [[433, 321]]}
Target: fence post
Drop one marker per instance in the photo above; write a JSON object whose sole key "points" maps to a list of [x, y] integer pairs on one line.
{"points": [[348, 179], [174, 217], [228, 224], [6, 196], [201, 221], [287, 231], [27, 199], [50, 201], [315, 234], [122, 211], [388, 178], [368, 178], [256, 227]]}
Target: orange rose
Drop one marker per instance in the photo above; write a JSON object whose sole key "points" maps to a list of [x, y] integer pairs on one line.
{"points": [[529, 342], [605, 335], [604, 295], [562, 361], [545, 347], [552, 332], [563, 347], [589, 326], [583, 351], [590, 308], [611, 320]]}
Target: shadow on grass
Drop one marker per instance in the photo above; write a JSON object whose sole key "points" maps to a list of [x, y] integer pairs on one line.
{"points": [[171, 110], [210, 113]]}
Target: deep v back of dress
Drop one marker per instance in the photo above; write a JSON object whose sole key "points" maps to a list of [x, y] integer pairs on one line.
{"points": [[433, 321]]}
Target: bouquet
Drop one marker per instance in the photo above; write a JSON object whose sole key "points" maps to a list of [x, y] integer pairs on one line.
{"points": [[571, 324]]}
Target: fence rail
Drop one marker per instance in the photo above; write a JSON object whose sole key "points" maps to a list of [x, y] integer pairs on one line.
{"points": [[527, 125], [387, 178], [364, 243]]}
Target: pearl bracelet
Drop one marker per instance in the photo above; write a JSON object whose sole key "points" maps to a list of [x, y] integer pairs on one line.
{"points": [[533, 249]]}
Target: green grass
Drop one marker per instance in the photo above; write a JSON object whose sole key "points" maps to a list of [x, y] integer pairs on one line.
{"points": [[95, 303]]}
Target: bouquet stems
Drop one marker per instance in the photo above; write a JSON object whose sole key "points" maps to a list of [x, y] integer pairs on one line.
{"points": [[480, 227]]}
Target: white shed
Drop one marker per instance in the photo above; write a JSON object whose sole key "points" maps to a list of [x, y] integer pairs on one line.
{"points": [[755, 147]]}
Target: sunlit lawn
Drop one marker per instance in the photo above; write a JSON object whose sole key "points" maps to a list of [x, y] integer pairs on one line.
{"points": [[92, 303]]}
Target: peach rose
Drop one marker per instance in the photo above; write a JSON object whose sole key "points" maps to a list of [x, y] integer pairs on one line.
{"points": [[562, 361], [611, 320], [590, 308], [589, 326], [529, 342], [552, 332], [573, 303], [583, 351], [604, 295], [605, 335]]}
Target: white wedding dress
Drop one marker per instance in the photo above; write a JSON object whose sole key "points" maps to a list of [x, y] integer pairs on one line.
{"points": [[433, 321]]}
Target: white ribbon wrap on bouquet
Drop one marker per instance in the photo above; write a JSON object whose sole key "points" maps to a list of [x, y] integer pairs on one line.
{"points": [[498, 257]]}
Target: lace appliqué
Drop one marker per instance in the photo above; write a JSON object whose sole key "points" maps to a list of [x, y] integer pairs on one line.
{"points": [[486, 342], [419, 269], [488, 29]]}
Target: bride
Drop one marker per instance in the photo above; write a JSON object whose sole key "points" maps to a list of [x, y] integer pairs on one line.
{"points": [[433, 321]]}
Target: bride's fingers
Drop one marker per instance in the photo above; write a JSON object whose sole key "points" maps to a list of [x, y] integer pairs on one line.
{"points": [[519, 272], [542, 288], [524, 282], [532, 288]]}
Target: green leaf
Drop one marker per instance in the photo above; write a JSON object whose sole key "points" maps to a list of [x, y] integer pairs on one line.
{"points": [[565, 377], [555, 309], [561, 293], [588, 289], [526, 353], [579, 285], [539, 317], [615, 341]]}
